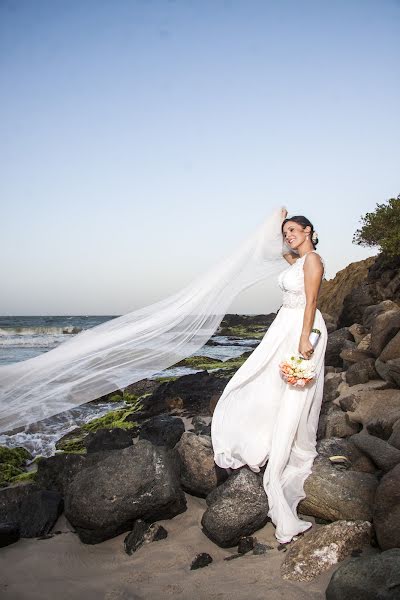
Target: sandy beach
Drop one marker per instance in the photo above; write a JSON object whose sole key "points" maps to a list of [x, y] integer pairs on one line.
{"points": [[63, 567]]}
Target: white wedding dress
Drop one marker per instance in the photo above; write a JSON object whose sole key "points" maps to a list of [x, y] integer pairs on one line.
{"points": [[261, 418]]}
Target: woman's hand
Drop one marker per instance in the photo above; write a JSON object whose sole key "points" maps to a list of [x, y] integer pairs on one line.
{"points": [[283, 213], [305, 347]]}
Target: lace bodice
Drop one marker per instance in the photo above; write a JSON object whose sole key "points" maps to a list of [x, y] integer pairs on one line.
{"points": [[291, 282]]}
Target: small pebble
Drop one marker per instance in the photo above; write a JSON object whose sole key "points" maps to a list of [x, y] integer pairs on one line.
{"points": [[246, 544]]}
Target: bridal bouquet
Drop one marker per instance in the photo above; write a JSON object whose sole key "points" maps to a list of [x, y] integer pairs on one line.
{"points": [[297, 370]]}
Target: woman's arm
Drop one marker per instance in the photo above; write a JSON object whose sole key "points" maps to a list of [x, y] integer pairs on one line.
{"points": [[313, 272]]}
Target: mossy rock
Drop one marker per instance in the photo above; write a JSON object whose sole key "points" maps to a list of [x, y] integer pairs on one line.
{"points": [[23, 477], [14, 456], [7, 472], [163, 380], [112, 420], [240, 331]]}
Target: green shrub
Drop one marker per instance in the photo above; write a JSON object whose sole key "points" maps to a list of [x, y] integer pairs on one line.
{"points": [[381, 228]]}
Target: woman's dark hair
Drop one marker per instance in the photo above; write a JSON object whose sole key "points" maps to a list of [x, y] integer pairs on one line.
{"points": [[303, 221]]}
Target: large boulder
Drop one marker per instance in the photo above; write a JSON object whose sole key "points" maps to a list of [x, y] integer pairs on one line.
{"points": [[236, 508], [332, 382], [373, 311], [162, 430], [330, 544], [394, 438], [387, 510], [34, 510], [104, 440], [389, 371], [333, 494], [337, 341], [369, 578], [199, 473], [361, 372], [385, 456], [384, 328], [55, 473], [104, 498], [338, 424]]}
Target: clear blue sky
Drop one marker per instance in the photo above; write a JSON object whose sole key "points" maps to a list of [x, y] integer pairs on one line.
{"points": [[142, 140]]}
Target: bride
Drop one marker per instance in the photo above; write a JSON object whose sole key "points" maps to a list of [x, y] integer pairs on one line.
{"points": [[261, 419], [258, 418]]}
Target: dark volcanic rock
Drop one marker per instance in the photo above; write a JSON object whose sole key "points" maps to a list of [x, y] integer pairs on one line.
{"points": [[361, 372], [384, 328], [104, 440], [199, 473], [357, 461], [188, 395], [336, 343], [201, 560], [162, 430], [387, 511], [236, 508], [385, 456], [54, 473], [143, 533], [105, 498], [9, 533], [33, 509], [370, 578]]}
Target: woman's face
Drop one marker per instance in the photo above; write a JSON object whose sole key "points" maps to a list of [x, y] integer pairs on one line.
{"points": [[294, 234]]}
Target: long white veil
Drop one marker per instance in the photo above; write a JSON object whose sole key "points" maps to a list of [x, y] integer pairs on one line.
{"points": [[138, 344]]}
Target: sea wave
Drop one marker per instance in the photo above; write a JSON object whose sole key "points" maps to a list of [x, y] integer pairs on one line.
{"points": [[39, 330]]}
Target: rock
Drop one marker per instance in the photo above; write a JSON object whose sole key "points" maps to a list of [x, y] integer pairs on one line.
{"points": [[246, 544], [104, 498], [389, 371], [339, 425], [54, 473], [384, 328], [34, 510], [73, 441], [9, 533], [162, 430], [201, 425], [369, 578], [379, 406], [365, 344], [236, 508], [333, 494], [373, 311], [190, 395], [336, 343], [335, 446], [356, 375], [361, 372], [349, 403], [260, 548], [392, 349], [12, 463], [199, 473], [355, 303], [385, 456], [331, 384], [315, 553], [387, 510], [201, 560], [104, 440], [358, 332], [143, 533], [355, 355], [394, 439]]}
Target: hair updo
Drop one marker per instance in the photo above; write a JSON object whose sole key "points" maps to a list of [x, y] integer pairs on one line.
{"points": [[303, 221]]}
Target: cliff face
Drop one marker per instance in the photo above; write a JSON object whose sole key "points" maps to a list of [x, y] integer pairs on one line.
{"points": [[334, 291]]}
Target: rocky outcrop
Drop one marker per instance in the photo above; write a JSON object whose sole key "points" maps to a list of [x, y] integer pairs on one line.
{"points": [[162, 430], [334, 291]]}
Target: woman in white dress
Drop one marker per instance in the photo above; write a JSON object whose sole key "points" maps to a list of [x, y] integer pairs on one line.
{"points": [[261, 418]]}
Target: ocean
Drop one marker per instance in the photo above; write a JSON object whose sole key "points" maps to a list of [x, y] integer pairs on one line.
{"points": [[25, 337]]}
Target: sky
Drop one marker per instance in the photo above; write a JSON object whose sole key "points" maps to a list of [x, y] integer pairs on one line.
{"points": [[141, 141]]}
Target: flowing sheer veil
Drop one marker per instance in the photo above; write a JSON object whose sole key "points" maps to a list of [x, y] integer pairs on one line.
{"points": [[138, 344]]}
